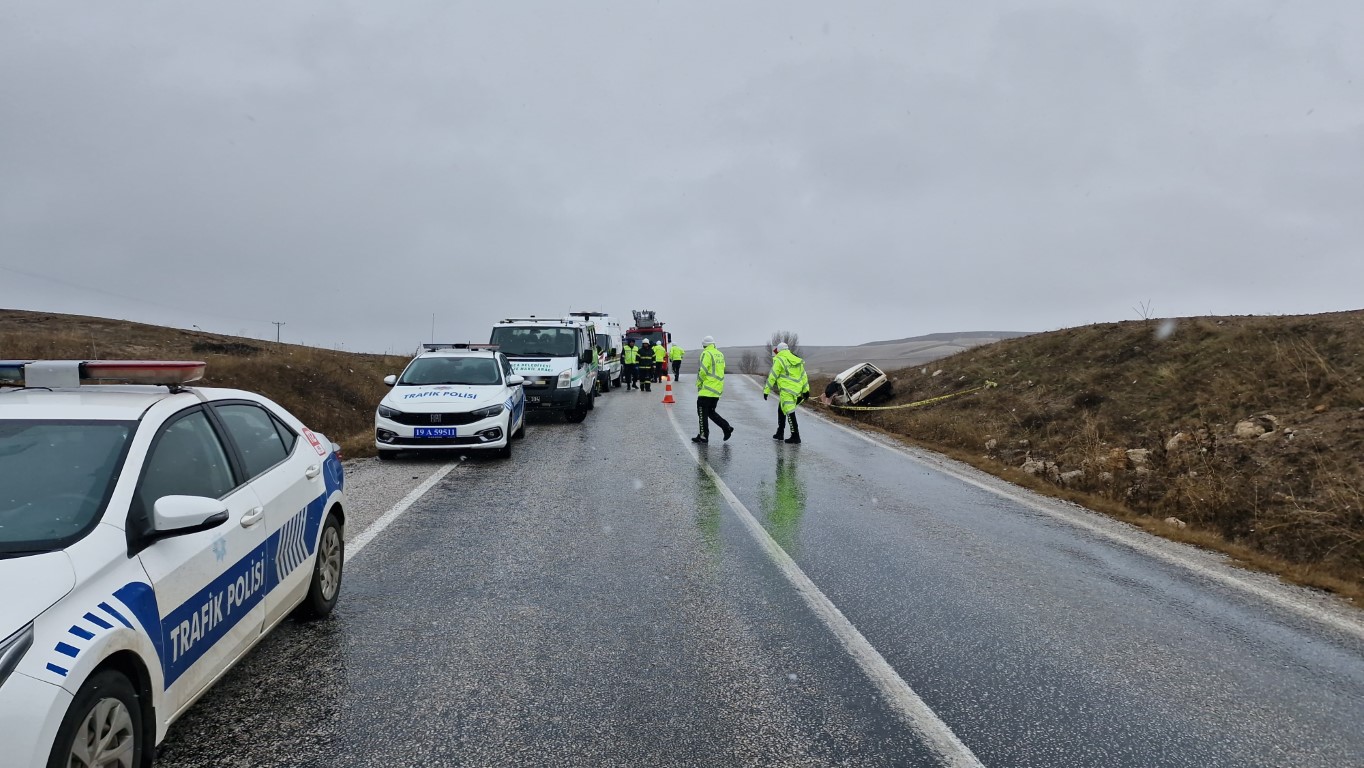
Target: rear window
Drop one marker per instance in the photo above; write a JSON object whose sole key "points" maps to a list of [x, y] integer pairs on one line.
{"points": [[55, 479]]}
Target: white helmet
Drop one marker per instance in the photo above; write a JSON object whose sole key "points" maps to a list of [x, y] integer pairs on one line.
{"points": [[782, 346], [708, 340]]}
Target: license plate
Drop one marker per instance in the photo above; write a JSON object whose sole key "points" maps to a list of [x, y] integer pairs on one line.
{"points": [[434, 432], [533, 399]]}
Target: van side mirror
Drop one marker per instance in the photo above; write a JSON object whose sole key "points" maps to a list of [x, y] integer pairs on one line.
{"points": [[587, 356]]}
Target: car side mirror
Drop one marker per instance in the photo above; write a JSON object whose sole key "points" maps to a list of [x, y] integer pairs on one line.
{"points": [[390, 380], [179, 515], [515, 381]]}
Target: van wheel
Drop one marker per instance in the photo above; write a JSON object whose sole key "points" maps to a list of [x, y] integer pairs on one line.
{"points": [[325, 587], [592, 399], [103, 726], [577, 413]]}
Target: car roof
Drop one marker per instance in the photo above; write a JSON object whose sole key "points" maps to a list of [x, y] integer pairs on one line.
{"points": [[459, 353], [101, 402]]}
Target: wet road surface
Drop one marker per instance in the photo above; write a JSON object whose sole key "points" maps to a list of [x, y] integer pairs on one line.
{"points": [[600, 601]]}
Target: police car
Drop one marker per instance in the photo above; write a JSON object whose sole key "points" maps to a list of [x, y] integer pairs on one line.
{"points": [[149, 537], [452, 397]]}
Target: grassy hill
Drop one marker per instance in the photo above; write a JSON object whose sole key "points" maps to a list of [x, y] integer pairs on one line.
{"points": [[1245, 432], [332, 392]]}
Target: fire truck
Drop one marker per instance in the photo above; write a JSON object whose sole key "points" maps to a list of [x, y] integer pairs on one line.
{"points": [[648, 326]]}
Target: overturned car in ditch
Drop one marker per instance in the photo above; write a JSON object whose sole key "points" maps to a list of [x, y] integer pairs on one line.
{"points": [[862, 384]]}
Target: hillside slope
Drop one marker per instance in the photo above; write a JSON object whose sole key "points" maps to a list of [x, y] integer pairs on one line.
{"points": [[332, 392], [1247, 431]]}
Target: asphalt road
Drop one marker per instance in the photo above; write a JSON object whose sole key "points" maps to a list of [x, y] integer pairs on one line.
{"points": [[604, 599]]}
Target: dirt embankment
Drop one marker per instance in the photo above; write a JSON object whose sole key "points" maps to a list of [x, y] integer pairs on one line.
{"points": [[1240, 433], [333, 392]]}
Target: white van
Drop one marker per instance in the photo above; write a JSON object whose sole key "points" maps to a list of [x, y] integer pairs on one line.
{"points": [[556, 357], [610, 343]]}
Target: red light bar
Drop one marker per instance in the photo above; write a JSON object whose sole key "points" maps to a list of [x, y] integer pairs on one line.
{"points": [[144, 371]]}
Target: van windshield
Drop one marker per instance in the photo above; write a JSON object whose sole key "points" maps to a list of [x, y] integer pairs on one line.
{"points": [[536, 342]]}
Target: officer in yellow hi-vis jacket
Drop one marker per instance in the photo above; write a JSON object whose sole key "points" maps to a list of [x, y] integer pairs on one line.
{"points": [[710, 384], [675, 353], [660, 361], [793, 387], [630, 362]]}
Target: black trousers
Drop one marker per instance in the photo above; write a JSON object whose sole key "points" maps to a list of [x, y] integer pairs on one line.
{"points": [[782, 418], [677, 369], [630, 372], [705, 410]]}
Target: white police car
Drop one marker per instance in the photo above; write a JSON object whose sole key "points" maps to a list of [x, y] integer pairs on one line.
{"points": [[149, 537], [452, 397]]}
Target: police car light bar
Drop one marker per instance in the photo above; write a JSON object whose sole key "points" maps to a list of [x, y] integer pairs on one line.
{"points": [[467, 345], [71, 373]]}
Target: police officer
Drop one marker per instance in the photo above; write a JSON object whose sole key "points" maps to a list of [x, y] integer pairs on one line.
{"points": [[710, 384], [646, 365], [676, 352], [660, 361], [630, 363], [793, 388]]}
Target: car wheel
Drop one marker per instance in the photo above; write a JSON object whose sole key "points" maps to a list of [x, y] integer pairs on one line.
{"points": [[325, 588], [578, 412], [103, 726], [520, 429]]}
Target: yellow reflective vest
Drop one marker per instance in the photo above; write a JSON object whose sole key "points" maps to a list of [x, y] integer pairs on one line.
{"points": [[631, 353], [710, 381], [660, 354], [676, 352], [788, 378]]}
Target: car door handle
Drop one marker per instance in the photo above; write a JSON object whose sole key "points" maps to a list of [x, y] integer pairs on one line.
{"points": [[313, 471], [252, 517]]}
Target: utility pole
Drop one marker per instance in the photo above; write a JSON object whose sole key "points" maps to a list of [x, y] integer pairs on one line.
{"points": [[277, 326], [433, 327]]}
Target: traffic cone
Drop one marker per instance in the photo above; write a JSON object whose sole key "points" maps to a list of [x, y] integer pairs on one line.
{"points": [[668, 390]]}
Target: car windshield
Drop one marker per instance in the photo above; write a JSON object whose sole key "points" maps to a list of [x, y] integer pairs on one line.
{"points": [[55, 479], [451, 370], [536, 342]]}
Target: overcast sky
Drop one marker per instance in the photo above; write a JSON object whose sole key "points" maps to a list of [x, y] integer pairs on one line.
{"points": [[850, 171]]}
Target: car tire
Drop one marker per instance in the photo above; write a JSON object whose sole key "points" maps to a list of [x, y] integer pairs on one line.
{"points": [[520, 432], [592, 398], [387, 455], [105, 718], [578, 412], [505, 452], [324, 589]]}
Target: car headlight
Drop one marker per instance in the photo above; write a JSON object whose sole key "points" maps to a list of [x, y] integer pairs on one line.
{"points": [[487, 413], [389, 413], [565, 379], [12, 649]]}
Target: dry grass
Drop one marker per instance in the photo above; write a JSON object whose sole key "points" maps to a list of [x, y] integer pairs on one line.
{"points": [[1077, 400], [333, 392]]}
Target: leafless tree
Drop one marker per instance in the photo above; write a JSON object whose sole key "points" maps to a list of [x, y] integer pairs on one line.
{"points": [[749, 362], [791, 338]]}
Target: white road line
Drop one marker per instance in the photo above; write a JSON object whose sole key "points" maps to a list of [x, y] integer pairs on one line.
{"points": [[1136, 540], [354, 546], [897, 693]]}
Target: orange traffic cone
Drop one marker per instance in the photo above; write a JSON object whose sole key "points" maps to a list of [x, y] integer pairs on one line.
{"points": [[668, 389]]}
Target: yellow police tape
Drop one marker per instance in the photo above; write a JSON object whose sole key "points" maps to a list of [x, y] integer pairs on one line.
{"points": [[988, 384]]}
